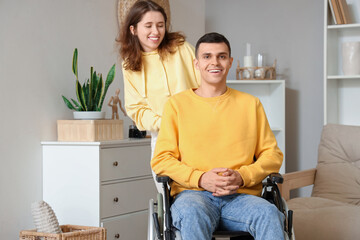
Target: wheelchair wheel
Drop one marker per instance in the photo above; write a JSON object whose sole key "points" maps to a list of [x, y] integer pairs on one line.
{"points": [[160, 211], [151, 227]]}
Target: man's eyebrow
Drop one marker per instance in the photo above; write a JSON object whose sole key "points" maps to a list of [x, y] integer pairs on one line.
{"points": [[220, 53]]}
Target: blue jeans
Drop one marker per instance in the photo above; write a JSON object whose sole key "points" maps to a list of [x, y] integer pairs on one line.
{"points": [[197, 214]]}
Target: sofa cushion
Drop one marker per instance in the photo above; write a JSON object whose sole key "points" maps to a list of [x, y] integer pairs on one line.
{"points": [[338, 169], [312, 203], [319, 218]]}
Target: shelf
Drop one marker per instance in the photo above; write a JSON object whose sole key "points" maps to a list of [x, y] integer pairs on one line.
{"points": [[112, 143], [344, 26], [254, 81], [343, 77], [341, 92]]}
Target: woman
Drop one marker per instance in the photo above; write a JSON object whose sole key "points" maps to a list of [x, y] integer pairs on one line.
{"points": [[156, 65]]}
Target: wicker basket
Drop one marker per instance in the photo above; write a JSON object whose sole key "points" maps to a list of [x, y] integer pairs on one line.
{"points": [[125, 5], [69, 232]]}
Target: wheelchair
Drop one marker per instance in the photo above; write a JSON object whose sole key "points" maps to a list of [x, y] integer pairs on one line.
{"points": [[160, 223]]}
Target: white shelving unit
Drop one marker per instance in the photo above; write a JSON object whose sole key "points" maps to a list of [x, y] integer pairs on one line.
{"points": [[341, 92], [272, 96]]}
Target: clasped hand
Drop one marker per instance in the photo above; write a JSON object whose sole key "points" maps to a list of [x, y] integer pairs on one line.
{"points": [[221, 181]]}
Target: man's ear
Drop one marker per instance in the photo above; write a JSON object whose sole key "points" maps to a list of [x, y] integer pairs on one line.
{"points": [[231, 61], [132, 30], [196, 63]]}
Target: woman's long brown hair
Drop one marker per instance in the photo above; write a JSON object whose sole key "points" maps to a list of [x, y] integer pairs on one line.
{"points": [[130, 48]]}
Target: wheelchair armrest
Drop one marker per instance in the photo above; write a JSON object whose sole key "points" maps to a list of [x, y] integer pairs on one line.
{"points": [[165, 180], [162, 179], [275, 178], [271, 190]]}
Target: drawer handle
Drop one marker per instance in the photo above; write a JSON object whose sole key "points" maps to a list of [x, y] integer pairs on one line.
{"points": [[115, 164], [117, 235], [116, 199]]}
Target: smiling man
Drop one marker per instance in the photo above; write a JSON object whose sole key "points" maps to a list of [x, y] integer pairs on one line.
{"points": [[217, 146]]}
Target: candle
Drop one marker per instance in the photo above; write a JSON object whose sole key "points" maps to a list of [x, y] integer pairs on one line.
{"points": [[248, 61], [248, 49]]}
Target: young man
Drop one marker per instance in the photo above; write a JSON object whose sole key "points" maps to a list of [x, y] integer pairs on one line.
{"points": [[217, 146]]}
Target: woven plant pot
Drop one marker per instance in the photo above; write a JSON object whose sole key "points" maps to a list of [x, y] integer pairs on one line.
{"points": [[125, 5]]}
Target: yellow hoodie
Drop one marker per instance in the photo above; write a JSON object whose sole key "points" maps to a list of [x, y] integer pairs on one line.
{"points": [[146, 91], [198, 134]]}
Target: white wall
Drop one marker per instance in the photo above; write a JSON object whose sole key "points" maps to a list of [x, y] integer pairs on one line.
{"points": [[37, 40], [292, 33], [188, 16]]}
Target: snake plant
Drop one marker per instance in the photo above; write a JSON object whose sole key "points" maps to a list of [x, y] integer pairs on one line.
{"points": [[92, 93]]}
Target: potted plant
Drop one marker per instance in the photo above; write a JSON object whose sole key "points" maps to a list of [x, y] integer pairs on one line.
{"points": [[91, 94]]}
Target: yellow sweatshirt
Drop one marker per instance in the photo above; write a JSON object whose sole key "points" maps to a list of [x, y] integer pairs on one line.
{"points": [[198, 134], [146, 91]]}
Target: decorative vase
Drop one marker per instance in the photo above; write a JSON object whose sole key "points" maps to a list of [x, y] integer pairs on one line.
{"points": [[90, 115], [248, 64], [351, 58]]}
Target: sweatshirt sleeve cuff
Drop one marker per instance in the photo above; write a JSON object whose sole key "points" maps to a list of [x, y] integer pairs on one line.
{"points": [[194, 178], [245, 176]]}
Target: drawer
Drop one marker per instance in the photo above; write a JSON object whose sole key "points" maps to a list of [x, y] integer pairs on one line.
{"points": [[127, 227], [126, 197], [119, 163]]}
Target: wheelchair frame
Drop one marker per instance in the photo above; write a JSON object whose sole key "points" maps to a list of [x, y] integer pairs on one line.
{"points": [[160, 222]]}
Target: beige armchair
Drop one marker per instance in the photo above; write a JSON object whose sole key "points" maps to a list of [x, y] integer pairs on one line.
{"points": [[333, 210]]}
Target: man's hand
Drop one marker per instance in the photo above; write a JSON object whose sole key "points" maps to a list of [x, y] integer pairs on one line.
{"points": [[221, 181]]}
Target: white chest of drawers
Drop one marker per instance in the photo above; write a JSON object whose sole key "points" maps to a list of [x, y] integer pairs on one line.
{"points": [[104, 184]]}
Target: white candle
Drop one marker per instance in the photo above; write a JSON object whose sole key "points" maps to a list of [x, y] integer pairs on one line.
{"points": [[248, 61], [248, 49]]}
